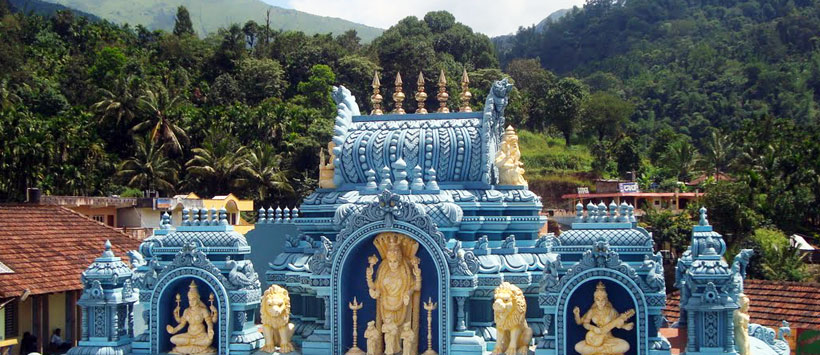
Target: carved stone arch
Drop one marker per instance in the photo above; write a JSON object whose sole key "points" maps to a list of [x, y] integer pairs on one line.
{"points": [[175, 272], [342, 249], [568, 288]]}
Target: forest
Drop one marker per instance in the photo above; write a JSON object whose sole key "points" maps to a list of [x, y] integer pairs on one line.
{"points": [[667, 89]]}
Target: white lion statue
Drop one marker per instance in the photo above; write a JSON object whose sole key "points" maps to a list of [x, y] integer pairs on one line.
{"points": [[510, 310], [276, 324]]}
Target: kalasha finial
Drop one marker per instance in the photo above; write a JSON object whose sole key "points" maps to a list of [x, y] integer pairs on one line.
{"points": [[442, 93], [376, 98], [421, 96], [466, 95], [398, 96]]}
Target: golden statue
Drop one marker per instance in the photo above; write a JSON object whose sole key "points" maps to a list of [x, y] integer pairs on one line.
{"points": [[599, 339], [742, 325], [510, 315], [276, 324], [373, 337], [396, 290], [200, 321], [326, 170], [508, 160]]}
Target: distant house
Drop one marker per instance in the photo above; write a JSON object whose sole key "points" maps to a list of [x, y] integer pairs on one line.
{"points": [[811, 252], [628, 191], [772, 302], [140, 216], [43, 251]]}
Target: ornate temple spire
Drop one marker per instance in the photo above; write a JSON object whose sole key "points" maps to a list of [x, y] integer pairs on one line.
{"points": [[466, 95], [421, 96], [398, 95], [376, 98], [442, 96]]}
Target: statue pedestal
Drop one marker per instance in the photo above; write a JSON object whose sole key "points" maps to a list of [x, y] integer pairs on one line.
{"points": [[317, 343], [467, 342]]}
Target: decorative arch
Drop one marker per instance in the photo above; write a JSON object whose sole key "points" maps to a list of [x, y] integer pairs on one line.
{"points": [[391, 214], [191, 262], [637, 296]]}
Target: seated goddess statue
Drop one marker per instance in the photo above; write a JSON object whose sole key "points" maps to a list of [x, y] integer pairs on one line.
{"points": [[200, 321], [599, 322]]}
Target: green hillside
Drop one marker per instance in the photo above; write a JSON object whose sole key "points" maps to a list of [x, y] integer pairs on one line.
{"points": [[210, 15], [44, 8]]}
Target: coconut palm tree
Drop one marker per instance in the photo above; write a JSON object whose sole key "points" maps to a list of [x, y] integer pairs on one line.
{"points": [[149, 168], [681, 157], [120, 103], [717, 156], [264, 169], [218, 164], [157, 108]]}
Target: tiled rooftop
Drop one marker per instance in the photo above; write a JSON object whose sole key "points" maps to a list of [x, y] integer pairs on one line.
{"points": [[772, 302], [48, 247]]}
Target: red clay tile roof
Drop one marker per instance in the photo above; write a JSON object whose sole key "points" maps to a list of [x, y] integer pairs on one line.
{"points": [[48, 247], [772, 302]]}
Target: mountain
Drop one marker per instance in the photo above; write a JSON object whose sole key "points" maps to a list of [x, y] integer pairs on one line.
{"points": [[210, 15], [44, 8], [503, 43], [552, 18]]}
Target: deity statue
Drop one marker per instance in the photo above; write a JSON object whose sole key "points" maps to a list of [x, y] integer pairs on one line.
{"points": [[200, 321], [408, 338], [326, 169], [373, 337], [396, 289], [276, 325], [508, 160], [599, 322], [741, 320]]}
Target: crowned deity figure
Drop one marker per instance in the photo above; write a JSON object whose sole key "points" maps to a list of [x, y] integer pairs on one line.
{"points": [[326, 168], [741, 320], [396, 290], [599, 322], [508, 160], [200, 321]]}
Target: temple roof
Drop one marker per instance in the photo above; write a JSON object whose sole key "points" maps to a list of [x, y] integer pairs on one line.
{"points": [[48, 246]]}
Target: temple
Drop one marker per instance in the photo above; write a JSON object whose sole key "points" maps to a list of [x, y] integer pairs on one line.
{"points": [[423, 238]]}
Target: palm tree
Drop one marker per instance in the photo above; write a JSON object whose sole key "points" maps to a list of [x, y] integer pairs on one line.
{"points": [[149, 168], [120, 102], [681, 157], [717, 157], [157, 107], [264, 169], [218, 165]]}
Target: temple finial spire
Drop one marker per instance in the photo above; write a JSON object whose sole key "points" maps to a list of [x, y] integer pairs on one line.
{"points": [[376, 98], [421, 96], [398, 96], [442, 96], [466, 95]]}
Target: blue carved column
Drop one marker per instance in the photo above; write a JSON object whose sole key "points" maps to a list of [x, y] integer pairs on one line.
{"points": [[709, 306], [107, 290]]}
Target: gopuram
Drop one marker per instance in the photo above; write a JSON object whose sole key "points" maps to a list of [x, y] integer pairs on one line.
{"points": [[422, 238]]}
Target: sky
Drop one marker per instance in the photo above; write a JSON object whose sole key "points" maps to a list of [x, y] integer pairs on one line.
{"points": [[491, 17]]}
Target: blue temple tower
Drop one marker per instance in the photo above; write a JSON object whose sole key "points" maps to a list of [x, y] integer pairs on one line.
{"points": [[107, 307], [439, 181], [203, 258]]}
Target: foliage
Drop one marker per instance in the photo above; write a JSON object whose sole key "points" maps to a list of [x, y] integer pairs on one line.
{"points": [[779, 260], [669, 230]]}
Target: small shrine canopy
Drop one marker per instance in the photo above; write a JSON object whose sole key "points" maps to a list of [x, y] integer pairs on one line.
{"points": [[48, 246], [771, 302]]}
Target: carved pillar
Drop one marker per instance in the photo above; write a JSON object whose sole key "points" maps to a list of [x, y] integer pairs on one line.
{"points": [[690, 334], [326, 306], [87, 322], [130, 310], [112, 325], [461, 325], [730, 331]]}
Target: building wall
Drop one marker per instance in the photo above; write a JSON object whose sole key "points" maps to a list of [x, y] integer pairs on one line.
{"points": [[56, 313], [133, 217], [25, 321], [102, 211]]}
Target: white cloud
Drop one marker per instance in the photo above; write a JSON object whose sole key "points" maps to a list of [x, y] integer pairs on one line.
{"points": [[489, 17]]}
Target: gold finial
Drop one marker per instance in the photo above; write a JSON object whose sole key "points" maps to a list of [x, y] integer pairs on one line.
{"points": [[421, 96], [466, 95], [398, 96], [442, 93], [376, 98]]}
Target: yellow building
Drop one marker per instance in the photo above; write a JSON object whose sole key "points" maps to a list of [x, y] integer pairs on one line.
{"points": [[229, 202]]}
